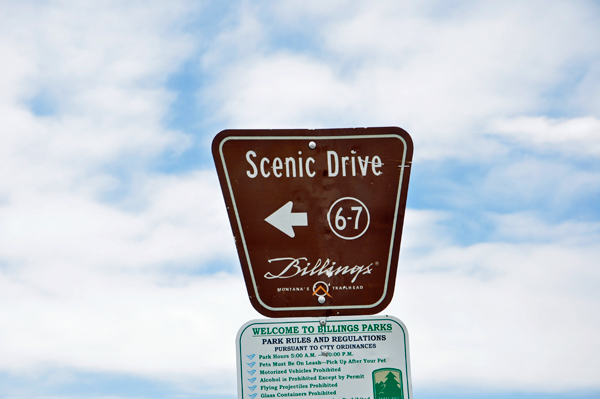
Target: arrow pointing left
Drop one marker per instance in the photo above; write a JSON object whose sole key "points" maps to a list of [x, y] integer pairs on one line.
{"points": [[284, 220]]}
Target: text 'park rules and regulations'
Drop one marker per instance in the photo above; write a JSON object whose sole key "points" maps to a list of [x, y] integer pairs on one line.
{"points": [[337, 357]]}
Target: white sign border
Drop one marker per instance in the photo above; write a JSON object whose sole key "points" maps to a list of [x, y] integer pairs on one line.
{"points": [[316, 138]]}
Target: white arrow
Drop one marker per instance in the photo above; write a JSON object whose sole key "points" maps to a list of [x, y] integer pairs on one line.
{"points": [[284, 220]]}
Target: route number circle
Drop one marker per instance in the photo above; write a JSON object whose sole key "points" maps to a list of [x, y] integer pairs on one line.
{"points": [[348, 218]]}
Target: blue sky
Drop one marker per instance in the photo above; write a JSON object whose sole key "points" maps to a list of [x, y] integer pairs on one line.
{"points": [[118, 272]]}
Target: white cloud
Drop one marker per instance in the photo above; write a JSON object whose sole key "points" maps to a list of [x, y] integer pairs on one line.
{"points": [[389, 64], [89, 284], [97, 288], [99, 322], [525, 226], [544, 184], [175, 220], [576, 137], [101, 68], [501, 315], [282, 91]]}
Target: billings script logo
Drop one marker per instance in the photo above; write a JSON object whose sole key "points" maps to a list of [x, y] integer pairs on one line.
{"points": [[387, 384], [301, 267]]}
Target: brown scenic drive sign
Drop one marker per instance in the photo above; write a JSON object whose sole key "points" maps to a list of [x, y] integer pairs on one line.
{"points": [[317, 215]]}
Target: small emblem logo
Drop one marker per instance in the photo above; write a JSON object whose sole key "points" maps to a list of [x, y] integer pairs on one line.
{"points": [[321, 289], [387, 384]]}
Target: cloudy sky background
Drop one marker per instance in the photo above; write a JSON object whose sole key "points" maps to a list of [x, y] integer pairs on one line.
{"points": [[118, 272]]}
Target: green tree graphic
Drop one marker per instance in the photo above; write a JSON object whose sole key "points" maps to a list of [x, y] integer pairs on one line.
{"points": [[390, 386]]}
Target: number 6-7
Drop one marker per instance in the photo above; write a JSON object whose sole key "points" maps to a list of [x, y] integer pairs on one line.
{"points": [[340, 221]]}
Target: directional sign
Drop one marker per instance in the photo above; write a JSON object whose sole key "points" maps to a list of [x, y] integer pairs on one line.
{"points": [[317, 215], [341, 357]]}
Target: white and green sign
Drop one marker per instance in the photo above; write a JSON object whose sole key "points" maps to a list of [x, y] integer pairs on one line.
{"points": [[362, 357]]}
